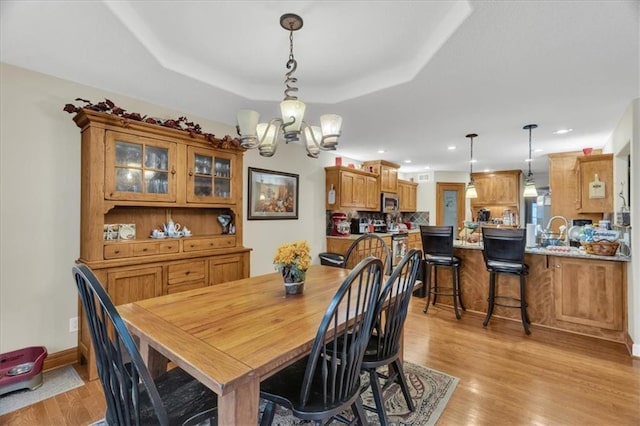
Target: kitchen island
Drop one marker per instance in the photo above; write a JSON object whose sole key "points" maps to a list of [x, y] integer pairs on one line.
{"points": [[567, 289]]}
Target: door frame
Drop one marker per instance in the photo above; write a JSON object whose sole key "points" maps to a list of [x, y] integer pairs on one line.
{"points": [[450, 186]]}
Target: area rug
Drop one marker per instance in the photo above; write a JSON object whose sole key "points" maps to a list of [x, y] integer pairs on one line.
{"points": [[54, 382], [430, 391]]}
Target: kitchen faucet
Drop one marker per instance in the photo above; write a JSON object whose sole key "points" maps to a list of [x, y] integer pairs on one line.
{"points": [[563, 228]]}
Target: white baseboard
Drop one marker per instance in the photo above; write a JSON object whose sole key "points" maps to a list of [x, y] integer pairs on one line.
{"points": [[635, 350]]}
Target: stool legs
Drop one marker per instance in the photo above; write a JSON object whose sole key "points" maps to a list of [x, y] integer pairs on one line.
{"points": [[427, 277], [492, 302], [455, 288], [491, 299]]}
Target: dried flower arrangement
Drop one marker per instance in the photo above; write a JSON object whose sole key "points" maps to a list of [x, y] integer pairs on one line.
{"points": [[293, 260], [181, 123]]}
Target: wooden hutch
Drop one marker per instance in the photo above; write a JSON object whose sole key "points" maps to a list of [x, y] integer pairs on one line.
{"points": [[135, 178]]}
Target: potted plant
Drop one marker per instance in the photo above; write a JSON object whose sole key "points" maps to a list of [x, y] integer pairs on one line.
{"points": [[292, 260]]}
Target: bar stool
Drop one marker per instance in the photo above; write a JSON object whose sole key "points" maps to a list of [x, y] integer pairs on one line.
{"points": [[437, 244], [504, 254]]}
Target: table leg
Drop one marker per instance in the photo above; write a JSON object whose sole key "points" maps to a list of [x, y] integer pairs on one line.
{"points": [[241, 406], [156, 362]]}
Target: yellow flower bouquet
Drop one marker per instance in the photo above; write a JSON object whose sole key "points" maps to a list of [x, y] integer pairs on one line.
{"points": [[293, 260]]}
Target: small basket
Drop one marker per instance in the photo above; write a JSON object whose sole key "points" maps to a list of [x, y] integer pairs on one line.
{"points": [[601, 247]]}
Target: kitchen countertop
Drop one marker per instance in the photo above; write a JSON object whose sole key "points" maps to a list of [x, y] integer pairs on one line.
{"points": [[550, 251], [380, 234]]}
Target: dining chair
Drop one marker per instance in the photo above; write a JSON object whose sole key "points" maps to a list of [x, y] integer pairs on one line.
{"points": [[132, 396], [368, 245], [323, 384], [383, 348]]}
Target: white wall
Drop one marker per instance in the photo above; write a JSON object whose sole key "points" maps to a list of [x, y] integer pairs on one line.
{"points": [[40, 204], [624, 139]]}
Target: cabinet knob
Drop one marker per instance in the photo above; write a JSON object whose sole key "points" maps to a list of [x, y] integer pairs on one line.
{"points": [[190, 173], [173, 170]]}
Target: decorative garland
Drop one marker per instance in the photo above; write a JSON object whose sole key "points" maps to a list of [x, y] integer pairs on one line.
{"points": [[181, 123]]}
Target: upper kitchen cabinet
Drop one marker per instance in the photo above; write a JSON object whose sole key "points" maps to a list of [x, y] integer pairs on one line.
{"points": [[387, 174], [594, 175], [407, 192], [497, 188], [352, 189], [566, 193]]}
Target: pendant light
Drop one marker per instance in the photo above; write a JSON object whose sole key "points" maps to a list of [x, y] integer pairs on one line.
{"points": [[529, 184], [471, 187]]}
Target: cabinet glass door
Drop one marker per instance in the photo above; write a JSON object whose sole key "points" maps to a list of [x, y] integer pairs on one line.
{"points": [[210, 177], [139, 169]]}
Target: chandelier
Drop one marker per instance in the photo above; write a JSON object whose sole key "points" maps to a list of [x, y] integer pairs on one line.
{"points": [[529, 184], [264, 136], [471, 187]]}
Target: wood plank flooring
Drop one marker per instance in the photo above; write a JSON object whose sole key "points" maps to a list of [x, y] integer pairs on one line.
{"points": [[506, 377]]}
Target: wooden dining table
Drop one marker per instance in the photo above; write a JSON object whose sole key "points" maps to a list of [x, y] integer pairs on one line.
{"points": [[233, 335]]}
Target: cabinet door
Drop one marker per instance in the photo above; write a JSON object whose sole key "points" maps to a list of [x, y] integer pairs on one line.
{"points": [[504, 189], [484, 188], [210, 176], [372, 194], [388, 179], [138, 168], [352, 190], [587, 169], [130, 285], [588, 293], [227, 268]]}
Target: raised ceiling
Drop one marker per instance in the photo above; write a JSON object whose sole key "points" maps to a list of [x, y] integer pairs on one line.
{"points": [[409, 77]]}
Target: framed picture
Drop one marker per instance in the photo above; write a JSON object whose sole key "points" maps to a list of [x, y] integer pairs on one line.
{"points": [[272, 195]]}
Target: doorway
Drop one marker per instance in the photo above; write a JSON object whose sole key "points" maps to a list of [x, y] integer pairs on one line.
{"points": [[450, 204]]}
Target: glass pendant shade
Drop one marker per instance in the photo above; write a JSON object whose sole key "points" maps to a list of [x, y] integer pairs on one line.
{"points": [[471, 191], [247, 122], [530, 188], [312, 136], [292, 110], [331, 126], [267, 133]]}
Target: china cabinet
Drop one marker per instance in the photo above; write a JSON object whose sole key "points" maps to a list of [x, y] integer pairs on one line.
{"points": [[138, 177], [407, 192]]}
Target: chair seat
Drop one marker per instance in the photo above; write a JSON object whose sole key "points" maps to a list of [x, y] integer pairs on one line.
{"points": [[507, 267], [442, 260], [182, 396], [284, 389]]}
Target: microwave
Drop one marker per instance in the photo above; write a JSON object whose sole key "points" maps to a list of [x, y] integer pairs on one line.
{"points": [[390, 203]]}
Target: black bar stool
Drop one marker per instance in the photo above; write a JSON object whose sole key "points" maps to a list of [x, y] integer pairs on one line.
{"points": [[437, 244], [504, 254]]}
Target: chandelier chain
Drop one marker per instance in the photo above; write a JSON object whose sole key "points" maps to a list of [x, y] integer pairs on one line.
{"points": [[292, 65]]}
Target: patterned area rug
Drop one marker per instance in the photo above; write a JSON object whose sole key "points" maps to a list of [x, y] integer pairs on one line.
{"points": [[430, 391], [54, 382]]}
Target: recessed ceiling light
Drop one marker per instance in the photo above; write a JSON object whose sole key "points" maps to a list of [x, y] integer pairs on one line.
{"points": [[528, 160], [451, 148], [427, 167], [487, 170], [474, 161], [381, 151], [538, 150], [562, 131], [407, 161]]}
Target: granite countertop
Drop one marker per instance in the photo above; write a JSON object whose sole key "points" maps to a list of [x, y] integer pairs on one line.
{"points": [[380, 234], [550, 251]]}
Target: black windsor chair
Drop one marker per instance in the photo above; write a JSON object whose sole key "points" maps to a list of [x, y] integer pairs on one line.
{"points": [[384, 345], [132, 396], [325, 383], [368, 245]]}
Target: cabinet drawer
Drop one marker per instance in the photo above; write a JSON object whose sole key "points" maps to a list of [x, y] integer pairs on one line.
{"points": [[182, 272], [117, 251], [209, 243]]}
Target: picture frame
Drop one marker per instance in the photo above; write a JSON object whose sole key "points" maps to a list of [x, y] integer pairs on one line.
{"points": [[272, 195]]}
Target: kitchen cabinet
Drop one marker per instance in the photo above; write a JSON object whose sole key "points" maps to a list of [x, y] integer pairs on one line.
{"points": [[587, 168], [497, 188], [142, 175], [387, 174], [407, 192], [589, 293], [354, 189], [414, 240], [563, 186]]}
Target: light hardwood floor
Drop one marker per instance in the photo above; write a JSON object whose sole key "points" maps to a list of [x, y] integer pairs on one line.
{"points": [[506, 377]]}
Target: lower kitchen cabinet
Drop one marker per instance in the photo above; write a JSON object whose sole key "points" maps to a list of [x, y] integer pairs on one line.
{"points": [[126, 285], [227, 268], [589, 293]]}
